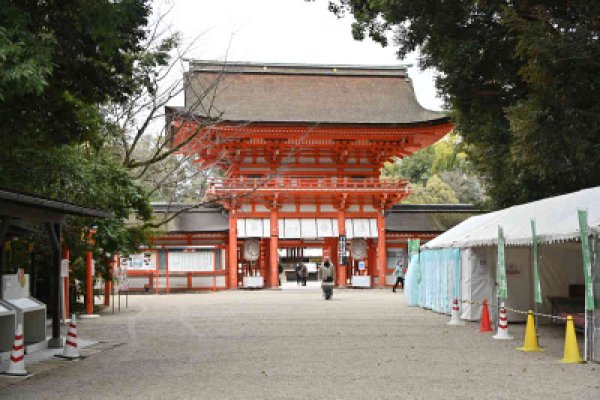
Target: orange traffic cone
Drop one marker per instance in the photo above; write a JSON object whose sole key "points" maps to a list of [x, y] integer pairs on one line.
{"points": [[17, 356], [486, 325], [70, 350], [502, 325], [455, 316]]}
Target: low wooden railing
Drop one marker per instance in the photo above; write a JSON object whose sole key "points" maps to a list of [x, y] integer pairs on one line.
{"points": [[309, 184]]}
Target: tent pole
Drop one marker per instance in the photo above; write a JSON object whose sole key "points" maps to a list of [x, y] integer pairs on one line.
{"points": [[536, 307], [589, 314]]}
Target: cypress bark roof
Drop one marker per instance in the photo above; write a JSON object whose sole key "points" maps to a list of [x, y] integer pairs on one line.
{"points": [[292, 93]]}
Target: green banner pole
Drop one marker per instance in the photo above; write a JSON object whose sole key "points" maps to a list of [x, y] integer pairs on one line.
{"points": [[501, 267], [587, 262], [537, 288], [587, 277], [413, 249]]}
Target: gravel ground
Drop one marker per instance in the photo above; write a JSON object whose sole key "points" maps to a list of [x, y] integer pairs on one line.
{"points": [[365, 344]]}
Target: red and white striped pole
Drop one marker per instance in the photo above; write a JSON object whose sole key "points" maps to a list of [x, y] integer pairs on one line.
{"points": [[502, 325], [71, 351], [455, 316], [17, 355]]}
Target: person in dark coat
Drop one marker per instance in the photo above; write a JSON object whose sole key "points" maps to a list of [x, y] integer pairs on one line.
{"points": [[303, 273], [298, 277]]}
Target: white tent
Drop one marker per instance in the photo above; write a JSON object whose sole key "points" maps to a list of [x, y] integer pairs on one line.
{"points": [[561, 270], [556, 220]]}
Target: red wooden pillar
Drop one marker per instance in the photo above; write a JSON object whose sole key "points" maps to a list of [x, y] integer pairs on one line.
{"points": [[341, 269], [167, 284], [327, 249], [157, 275], [372, 259], [89, 289], [273, 253], [232, 271], [381, 250], [215, 255], [263, 261], [108, 281], [333, 252]]}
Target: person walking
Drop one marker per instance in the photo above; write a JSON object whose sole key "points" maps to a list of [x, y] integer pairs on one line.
{"points": [[298, 276], [280, 270], [399, 274], [326, 270], [303, 273]]}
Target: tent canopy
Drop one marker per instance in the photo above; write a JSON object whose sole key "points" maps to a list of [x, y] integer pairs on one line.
{"points": [[555, 217]]}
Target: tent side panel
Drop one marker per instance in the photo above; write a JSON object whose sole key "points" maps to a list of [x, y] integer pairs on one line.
{"points": [[519, 279], [478, 279]]}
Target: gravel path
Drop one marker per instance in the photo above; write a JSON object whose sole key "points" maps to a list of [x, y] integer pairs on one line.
{"points": [[365, 344]]}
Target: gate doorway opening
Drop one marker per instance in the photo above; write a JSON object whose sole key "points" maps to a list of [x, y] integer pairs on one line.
{"points": [[293, 254]]}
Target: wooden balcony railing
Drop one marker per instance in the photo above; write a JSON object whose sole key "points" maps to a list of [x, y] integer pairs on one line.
{"points": [[286, 184]]}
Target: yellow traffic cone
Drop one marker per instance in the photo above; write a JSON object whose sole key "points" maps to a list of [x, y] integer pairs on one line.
{"points": [[571, 355], [531, 343]]}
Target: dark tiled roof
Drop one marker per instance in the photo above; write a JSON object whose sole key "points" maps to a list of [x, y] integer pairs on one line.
{"points": [[201, 222], [422, 221], [402, 218], [304, 93], [435, 208], [202, 219], [30, 206]]}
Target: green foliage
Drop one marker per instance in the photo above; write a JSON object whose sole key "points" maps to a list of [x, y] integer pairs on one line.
{"points": [[59, 58], [448, 161], [25, 63], [435, 191], [60, 63], [80, 174], [467, 187], [417, 167], [521, 78]]}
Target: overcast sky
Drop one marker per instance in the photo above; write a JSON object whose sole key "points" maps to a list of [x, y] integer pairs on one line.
{"points": [[282, 31]]}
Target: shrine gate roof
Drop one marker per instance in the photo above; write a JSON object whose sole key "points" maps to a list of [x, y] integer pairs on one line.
{"points": [[198, 219], [302, 93], [401, 218]]}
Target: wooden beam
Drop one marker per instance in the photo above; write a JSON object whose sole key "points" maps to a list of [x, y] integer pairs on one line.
{"points": [[4, 224], [55, 234]]}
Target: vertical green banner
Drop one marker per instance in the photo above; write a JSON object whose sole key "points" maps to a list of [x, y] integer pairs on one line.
{"points": [[537, 289], [587, 262], [413, 246], [501, 267], [413, 249]]}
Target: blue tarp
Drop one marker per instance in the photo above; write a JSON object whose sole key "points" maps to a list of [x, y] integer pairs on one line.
{"points": [[411, 282], [439, 283]]}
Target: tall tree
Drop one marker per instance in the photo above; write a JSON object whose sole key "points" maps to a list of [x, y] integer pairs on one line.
{"points": [[520, 77], [59, 62]]}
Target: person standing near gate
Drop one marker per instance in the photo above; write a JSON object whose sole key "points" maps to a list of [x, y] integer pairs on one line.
{"points": [[399, 274], [298, 274], [303, 273]]}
